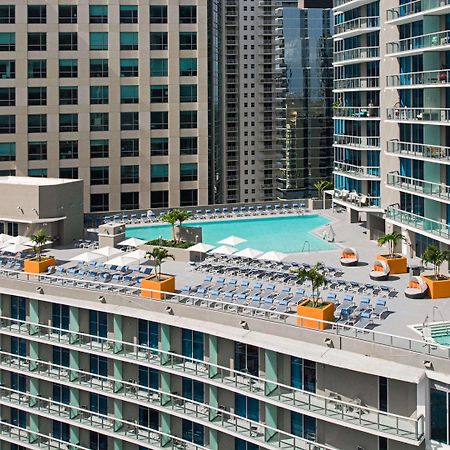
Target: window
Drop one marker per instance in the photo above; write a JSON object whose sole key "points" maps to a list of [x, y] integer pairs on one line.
{"points": [[188, 40], [98, 323], [7, 14], [99, 175], [38, 173], [37, 13], [37, 123], [18, 382], [439, 415], [67, 13], [159, 120], [37, 68], [68, 149], [188, 145], [99, 202], [98, 365], [68, 122], [129, 200], [98, 14], [61, 356], [60, 316], [303, 426], [61, 430], [129, 94], [159, 93], [98, 41], [7, 124], [99, 121], [98, 403], [148, 377], [37, 151], [159, 172], [148, 418], [7, 96], [188, 92], [129, 41], [303, 374], [158, 40], [188, 14], [68, 173], [98, 441], [68, 95], [98, 68], [129, 67], [18, 308], [129, 174], [383, 393], [193, 390], [7, 69], [246, 407], [68, 68], [99, 95], [129, 147], [188, 119], [246, 358], [158, 14], [158, 67], [193, 432], [188, 67], [7, 151], [159, 146], [159, 199], [37, 42], [37, 96], [128, 14], [7, 42], [68, 41], [148, 334], [192, 344], [18, 346], [188, 197], [129, 120], [61, 394], [99, 148]]}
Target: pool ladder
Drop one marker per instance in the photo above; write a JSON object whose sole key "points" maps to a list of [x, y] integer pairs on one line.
{"points": [[306, 244]]}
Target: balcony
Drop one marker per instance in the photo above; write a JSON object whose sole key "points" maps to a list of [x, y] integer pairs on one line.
{"points": [[418, 44], [357, 142], [436, 153], [430, 78], [353, 27], [432, 116], [356, 172], [354, 55], [357, 201], [357, 112], [413, 10], [422, 188], [353, 84], [346, 5]]}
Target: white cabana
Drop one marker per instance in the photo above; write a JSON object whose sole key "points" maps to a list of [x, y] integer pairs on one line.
{"points": [[132, 242], [274, 256], [201, 247], [86, 257], [15, 248], [108, 252], [224, 250], [18, 240], [4, 237], [122, 261], [140, 255], [249, 253], [232, 240]]}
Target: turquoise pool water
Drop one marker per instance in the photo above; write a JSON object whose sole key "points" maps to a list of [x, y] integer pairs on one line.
{"points": [[443, 340], [284, 234]]}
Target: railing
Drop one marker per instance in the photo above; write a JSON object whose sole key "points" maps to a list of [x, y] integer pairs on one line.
{"points": [[357, 83], [410, 184], [357, 112], [429, 77], [438, 115], [360, 23], [371, 142], [436, 152], [357, 53], [419, 42], [359, 171], [435, 228], [356, 199], [415, 7], [338, 3]]}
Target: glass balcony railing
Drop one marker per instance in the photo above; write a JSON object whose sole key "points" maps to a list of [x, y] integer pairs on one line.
{"points": [[434, 152], [436, 190], [436, 115], [435, 78], [352, 54], [419, 43], [360, 23], [357, 112], [356, 170], [356, 199], [363, 142], [415, 7], [357, 83], [349, 412], [435, 228]]}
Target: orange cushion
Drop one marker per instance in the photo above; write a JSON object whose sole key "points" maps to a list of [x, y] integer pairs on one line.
{"points": [[378, 268], [414, 285], [348, 255]]}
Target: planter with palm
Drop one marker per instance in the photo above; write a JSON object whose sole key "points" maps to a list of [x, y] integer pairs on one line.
{"points": [[173, 217], [317, 280], [39, 240], [159, 255], [158, 286], [39, 263], [321, 186], [397, 262], [438, 283]]}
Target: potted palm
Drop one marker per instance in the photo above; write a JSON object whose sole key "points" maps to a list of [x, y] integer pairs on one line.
{"points": [[313, 312], [319, 202], [39, 263], [438, 284], [173, 217], [158, 284], [397, 263]]}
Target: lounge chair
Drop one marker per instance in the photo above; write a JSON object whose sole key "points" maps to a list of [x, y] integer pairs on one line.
{"points": [[364, 305], [417, 288], [364, 320], [268, 304], [241, 299], [380, 308], [380, 271], [349, 257]]}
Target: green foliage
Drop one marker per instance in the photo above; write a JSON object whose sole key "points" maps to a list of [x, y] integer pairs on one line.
{"points": [[323, 185], [436, 257], [391, 240], [159, 255], [39, 239], [167, 243], [173, 216], [317, 279]]}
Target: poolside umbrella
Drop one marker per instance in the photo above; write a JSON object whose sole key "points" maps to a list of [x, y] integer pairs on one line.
{"points": [[86, 257], [132, 242], [4, 237], [15, 248], [201, 247], [107, 251], [140, 255], [232, 240], [122, 261], [224, 250], [18, 240], [274, 256], [249, 253]]}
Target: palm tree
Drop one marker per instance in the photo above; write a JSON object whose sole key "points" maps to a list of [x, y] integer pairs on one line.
{"points": [[316, 277], [436, 257], [172, 218], [182, 216], [322, 185], [391, 240], [159, 255], [39, 239]]}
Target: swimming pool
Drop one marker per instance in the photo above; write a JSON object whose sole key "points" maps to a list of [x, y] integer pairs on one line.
{"points": [[440, 332], [282, 233]]}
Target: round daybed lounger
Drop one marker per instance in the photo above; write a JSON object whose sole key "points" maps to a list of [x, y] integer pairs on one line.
{"points": [[417, 288], [380, 271], [349, 257]]}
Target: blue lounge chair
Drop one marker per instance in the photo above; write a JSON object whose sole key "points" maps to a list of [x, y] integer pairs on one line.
{"points": [[364, 320], [380, 308], [364, 305]]}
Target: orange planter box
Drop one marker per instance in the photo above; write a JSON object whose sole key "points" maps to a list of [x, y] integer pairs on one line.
{"points": [[310, 316], [437, 288], [32, 265], [158, 287], [397, 265]]}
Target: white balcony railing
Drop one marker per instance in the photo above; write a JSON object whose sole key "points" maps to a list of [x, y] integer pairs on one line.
{"points": [[357, 83], [352, 54], [429, 77], [435, 152], [415, 7], [409, 184], [363, 142], [407, 114], [356, 199], [357, 112], [357, 171], [360, 23], [419, 43]]}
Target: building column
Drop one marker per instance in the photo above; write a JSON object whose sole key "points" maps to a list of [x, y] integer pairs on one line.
{"points": [[34, 316], [118, 333], [34, 427], [165, 383], [74, 324], [213, 394], [271, 411]]}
